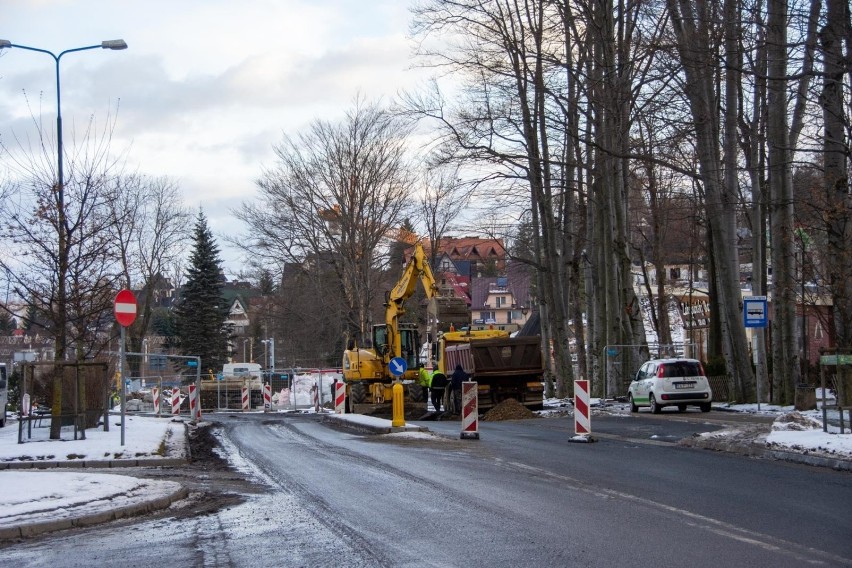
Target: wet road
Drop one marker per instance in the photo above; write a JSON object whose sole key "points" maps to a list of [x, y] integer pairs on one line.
{"points": [[520, 496]]}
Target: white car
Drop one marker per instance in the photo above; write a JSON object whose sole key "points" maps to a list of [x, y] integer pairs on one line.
{"points": [[670, 382]]}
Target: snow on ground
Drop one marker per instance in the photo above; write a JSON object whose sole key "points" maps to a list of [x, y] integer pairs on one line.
{"points": [[807, 435], [40, 495]]}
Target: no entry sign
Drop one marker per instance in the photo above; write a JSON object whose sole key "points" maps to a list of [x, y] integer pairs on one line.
{"points": [[125, 308]]}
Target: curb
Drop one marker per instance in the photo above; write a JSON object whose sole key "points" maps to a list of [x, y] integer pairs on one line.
{"points": [[762, 452], [27, 530], [100, 464]]}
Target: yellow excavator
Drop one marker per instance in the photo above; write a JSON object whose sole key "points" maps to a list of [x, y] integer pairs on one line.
{"points": [[367, 370]]}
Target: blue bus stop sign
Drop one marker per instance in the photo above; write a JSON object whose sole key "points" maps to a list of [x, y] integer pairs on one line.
{"points": [[754, 311], [398, 366]]}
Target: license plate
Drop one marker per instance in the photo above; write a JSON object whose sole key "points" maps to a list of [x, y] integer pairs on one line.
{"points": [[684, 385]]}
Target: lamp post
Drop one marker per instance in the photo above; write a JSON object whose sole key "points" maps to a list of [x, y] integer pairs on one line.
{"points": [[62, 253]]}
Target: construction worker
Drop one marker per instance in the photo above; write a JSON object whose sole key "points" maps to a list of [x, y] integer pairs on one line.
{"points": [[425, 380], [439, 383]]}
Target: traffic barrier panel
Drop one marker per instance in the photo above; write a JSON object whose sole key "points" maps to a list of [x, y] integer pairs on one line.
{"points": [[267, 397], [155, 397], [470, 410], [340, 398], [194, 403], [245, 398], [175, 401], [582, 421]]}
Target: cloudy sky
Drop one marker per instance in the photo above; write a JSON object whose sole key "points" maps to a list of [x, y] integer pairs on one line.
{"points": [[206, 87]]}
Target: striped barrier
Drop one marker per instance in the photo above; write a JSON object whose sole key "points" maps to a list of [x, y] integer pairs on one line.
{"points": [[340, 398], [155, 395], [245, 398], [582, 421], [267, 397], [194, 403], [470, 410], [175, 401]]}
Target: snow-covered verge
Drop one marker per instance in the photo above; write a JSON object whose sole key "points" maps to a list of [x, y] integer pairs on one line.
{"points": [[144, 437], [792, 430]]}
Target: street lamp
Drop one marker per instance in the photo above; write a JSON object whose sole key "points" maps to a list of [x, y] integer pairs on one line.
{"points": [[62, 257]]}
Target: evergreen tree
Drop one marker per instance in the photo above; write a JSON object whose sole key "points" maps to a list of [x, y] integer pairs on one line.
{"points": [[202, 310]]}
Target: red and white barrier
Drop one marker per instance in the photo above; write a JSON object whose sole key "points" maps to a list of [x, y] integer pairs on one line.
{"points": [[194, 404], [582, 421], [175, 401], [245, 398], [267, 397], [470, 410], [340, 398], [155, 395]]}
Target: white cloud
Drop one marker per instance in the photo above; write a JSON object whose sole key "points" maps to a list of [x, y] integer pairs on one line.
{"points": [[206, 86]]}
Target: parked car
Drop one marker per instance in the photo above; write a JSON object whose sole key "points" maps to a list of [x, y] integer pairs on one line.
{"points": [[670, 382]]}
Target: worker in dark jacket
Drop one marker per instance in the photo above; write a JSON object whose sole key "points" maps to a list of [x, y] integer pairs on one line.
{"points": [[439, 384], [457, 378]]}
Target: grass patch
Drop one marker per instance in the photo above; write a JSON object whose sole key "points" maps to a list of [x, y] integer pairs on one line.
{"points": [[161, 449], [75, 456]]}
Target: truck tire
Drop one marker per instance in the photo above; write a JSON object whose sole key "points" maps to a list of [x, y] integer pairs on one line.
{"points": [[357, 393], [417, 393]]}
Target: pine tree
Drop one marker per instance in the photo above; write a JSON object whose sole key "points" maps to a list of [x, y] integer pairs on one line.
{"points": [[202, 310]]}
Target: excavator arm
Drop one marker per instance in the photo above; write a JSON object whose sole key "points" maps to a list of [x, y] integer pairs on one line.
{"points": [[417, 269]]}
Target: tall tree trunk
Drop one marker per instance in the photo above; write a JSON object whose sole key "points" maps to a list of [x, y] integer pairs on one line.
{"points": [[785, 353], [836, 146]]}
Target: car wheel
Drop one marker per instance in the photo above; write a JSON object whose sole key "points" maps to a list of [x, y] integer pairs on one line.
{"points": [[681, 408], [633, 407], [655, 408], [705, 407]]}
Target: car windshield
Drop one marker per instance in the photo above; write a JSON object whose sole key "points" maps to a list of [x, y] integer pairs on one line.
{"points": [[682, 369]]}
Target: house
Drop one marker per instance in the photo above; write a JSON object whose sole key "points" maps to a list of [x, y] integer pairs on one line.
{"points": [[502, 300], [483, 255]]}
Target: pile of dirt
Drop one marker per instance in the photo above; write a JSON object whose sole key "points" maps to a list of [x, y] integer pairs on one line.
{"points": [[509, 409]]}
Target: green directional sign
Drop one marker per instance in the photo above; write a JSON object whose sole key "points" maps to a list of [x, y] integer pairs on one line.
{"points": [[835, 360]]}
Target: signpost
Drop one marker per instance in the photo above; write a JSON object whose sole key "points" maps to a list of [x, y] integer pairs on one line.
{"points": [[124, 309], [755, 315]]}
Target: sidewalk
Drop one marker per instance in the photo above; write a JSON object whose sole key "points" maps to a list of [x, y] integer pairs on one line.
{"points": [[48, 485]]}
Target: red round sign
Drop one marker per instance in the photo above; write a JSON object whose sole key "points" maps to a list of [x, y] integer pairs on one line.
{"points": [[125, 308]]}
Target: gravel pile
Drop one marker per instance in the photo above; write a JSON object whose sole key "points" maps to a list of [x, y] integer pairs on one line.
{"points": [[509, 409]]}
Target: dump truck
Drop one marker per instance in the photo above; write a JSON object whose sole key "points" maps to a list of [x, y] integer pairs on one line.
{"points": [[366, 369], [503, 367]]}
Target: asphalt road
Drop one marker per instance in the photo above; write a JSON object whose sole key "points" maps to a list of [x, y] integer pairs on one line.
{"points": [[522, 495]]}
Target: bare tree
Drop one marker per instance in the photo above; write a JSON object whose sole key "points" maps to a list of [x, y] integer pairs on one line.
{"points": [[837, 149], [60, 260], [692, 25], [331, 199], [151, 231], [443, 200]]}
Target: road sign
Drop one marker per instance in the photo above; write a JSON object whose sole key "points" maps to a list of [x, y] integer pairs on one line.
{"points": [[835, 360], [398, 366], [754, 311], [125, 308]]}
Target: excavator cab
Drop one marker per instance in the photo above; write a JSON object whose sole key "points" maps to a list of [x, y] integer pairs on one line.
{"points": [[409, 340]]}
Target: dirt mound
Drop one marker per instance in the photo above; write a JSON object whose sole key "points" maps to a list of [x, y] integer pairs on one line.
{"points": [[509, 409]]}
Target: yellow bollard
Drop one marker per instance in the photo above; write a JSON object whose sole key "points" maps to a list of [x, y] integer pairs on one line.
{"points": [[398, 406]]}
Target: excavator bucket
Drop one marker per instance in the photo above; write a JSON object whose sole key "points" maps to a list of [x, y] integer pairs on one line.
{"points": [[449, 311]]}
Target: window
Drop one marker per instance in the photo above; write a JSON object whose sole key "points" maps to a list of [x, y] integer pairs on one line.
{"points": [[674, 273], [501, 301], [488, 317]]}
